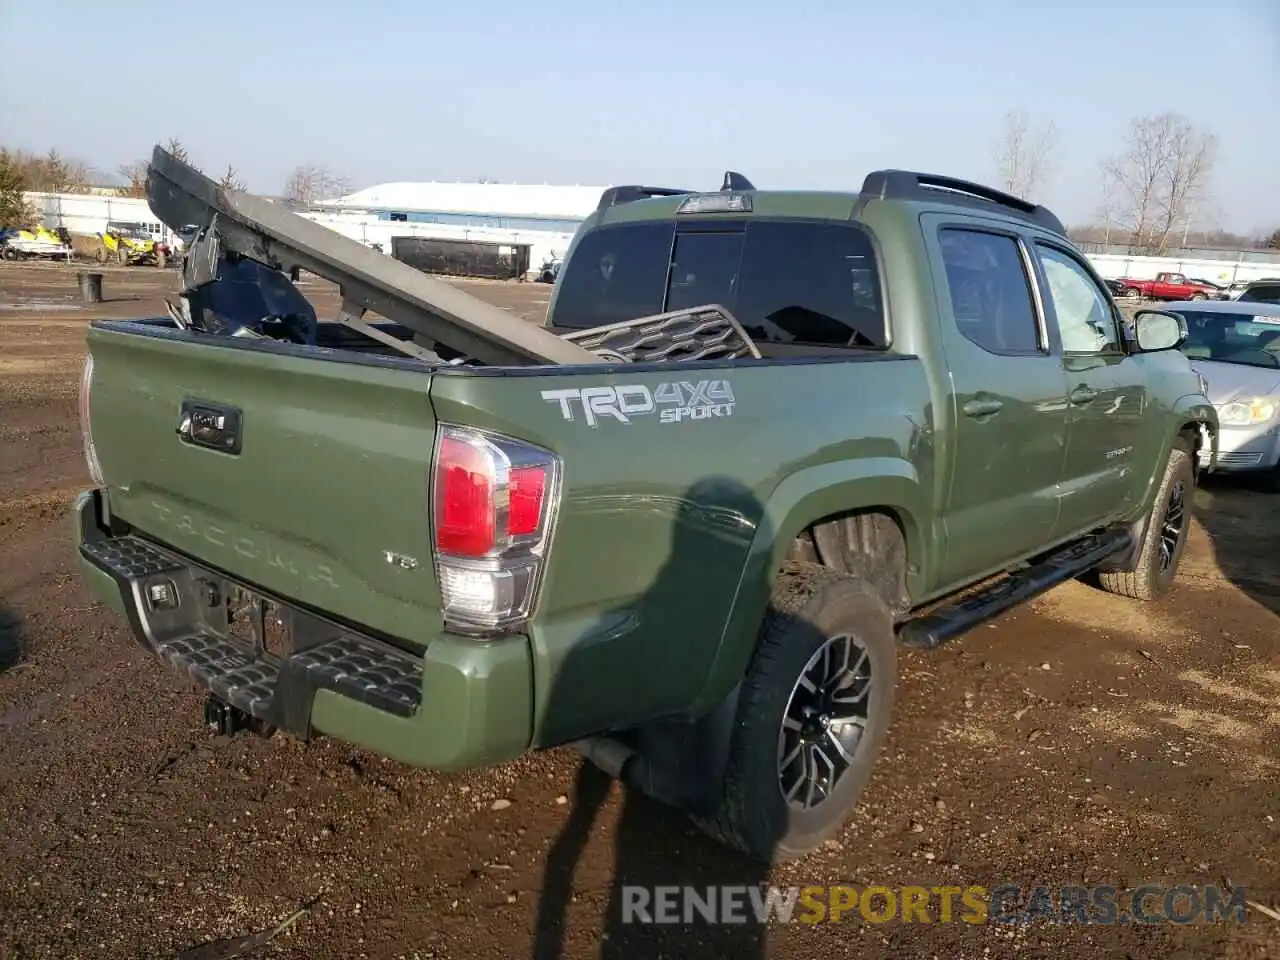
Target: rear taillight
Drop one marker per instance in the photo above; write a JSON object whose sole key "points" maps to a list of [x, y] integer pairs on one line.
{"points": [[86, 425], [493, 502]]}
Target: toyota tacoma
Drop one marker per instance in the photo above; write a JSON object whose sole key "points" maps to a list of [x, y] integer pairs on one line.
{"points": [[763, 441]]}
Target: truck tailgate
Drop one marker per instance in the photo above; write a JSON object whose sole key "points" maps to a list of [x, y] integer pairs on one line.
{"points": [[312, 487]]}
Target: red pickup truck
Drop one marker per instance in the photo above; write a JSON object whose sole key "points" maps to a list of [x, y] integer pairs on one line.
{"points": [[1166, 286]]}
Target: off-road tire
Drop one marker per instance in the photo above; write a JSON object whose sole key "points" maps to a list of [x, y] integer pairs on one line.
{"points": [[810, 605], [100, 254], [122, 256], [1147, 581]]}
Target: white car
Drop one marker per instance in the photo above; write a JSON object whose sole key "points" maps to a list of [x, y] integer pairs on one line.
{"points": [[1235, 346]]}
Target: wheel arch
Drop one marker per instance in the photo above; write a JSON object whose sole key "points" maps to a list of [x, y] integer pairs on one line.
{"points": [[1197, 432], [877, 497], [1196, 422]]}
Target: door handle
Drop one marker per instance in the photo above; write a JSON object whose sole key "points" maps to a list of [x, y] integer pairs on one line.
{"points": [[982, 408], [1082, 395]]}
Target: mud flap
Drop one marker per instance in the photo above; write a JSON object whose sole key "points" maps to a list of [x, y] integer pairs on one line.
{"points": [[678, 763]]}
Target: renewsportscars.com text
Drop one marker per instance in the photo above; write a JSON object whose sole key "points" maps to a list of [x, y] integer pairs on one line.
{"points": [[1008, 903]]}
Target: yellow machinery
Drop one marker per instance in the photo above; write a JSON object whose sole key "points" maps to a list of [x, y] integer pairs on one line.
{"points": [[132, 244]]}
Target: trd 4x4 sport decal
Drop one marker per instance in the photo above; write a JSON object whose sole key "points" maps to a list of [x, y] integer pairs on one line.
{"points": [[673, 402]]}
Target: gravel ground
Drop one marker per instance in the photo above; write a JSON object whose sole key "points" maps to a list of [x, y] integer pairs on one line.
{"points": [[1083, 740]]}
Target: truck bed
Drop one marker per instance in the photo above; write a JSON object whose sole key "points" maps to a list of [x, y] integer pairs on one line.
{"points": [[323, 501]]}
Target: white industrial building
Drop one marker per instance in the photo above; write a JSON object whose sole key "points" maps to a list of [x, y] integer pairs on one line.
{"points": [[89, 213], [542, 216]]}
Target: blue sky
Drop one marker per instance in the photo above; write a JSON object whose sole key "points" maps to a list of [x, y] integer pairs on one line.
{"points": [[794, 93]]}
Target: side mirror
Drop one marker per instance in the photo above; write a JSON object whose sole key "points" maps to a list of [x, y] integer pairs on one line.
{"points": [[1157, 330]]}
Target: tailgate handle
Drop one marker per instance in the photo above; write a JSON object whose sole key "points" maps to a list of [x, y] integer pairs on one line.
{"points": [[213, 426], [1082, 395]]}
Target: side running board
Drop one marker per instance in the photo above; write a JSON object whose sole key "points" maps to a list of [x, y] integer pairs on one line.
{"points": [[950, 620]]}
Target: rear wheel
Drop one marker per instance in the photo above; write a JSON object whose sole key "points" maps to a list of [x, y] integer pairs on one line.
{"points": [[812, 715], [1165, 537], [122, 256], [1131, 293], [1199, 296]]}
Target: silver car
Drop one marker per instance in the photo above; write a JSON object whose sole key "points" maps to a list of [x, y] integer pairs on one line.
{"points": [[1235, 347]]}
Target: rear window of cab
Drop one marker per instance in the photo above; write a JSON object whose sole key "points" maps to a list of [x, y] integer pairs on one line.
{"points": [[786, 281]]}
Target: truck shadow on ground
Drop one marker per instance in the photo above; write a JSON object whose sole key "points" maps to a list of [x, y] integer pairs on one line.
{"points": [[1242, 520], [656, 846], [10, 638], [653, 849]]}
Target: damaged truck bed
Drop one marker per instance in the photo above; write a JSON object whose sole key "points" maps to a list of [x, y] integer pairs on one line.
{"points": [[237, 226], [763, 439]]}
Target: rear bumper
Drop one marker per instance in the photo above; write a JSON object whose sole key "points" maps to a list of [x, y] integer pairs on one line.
{"points": [[460, 704]]}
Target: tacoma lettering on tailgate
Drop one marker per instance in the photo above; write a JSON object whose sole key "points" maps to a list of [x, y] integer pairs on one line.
{"points": [[182, 522]]}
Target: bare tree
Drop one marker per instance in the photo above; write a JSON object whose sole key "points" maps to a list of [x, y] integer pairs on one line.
{"points": [[136, 175], [309, 184], [231, 180], [136, 172], [1024, 154], [61, 175], [1107, 208], [51, 172], [1159, 179]]}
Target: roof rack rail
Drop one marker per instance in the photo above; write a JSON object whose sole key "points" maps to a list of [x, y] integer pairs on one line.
{"points": [[632, 192], [628, 194], [908, 185]]}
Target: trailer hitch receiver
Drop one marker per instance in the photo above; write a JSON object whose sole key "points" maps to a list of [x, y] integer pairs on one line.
{"points": [[225, 719]]}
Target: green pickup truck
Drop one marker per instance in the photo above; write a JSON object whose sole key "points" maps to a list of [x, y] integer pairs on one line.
{"points": [[763, 440]]}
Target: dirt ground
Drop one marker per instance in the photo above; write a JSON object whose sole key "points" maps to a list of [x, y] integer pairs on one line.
{"points": [[1082, 740]]}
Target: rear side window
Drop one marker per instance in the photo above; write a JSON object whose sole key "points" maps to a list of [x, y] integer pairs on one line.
{"points": [[990, 292], [786, 281], [613, 274]]}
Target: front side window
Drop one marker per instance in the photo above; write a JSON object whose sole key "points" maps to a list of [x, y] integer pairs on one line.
{"points": [[1086, 322]]}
